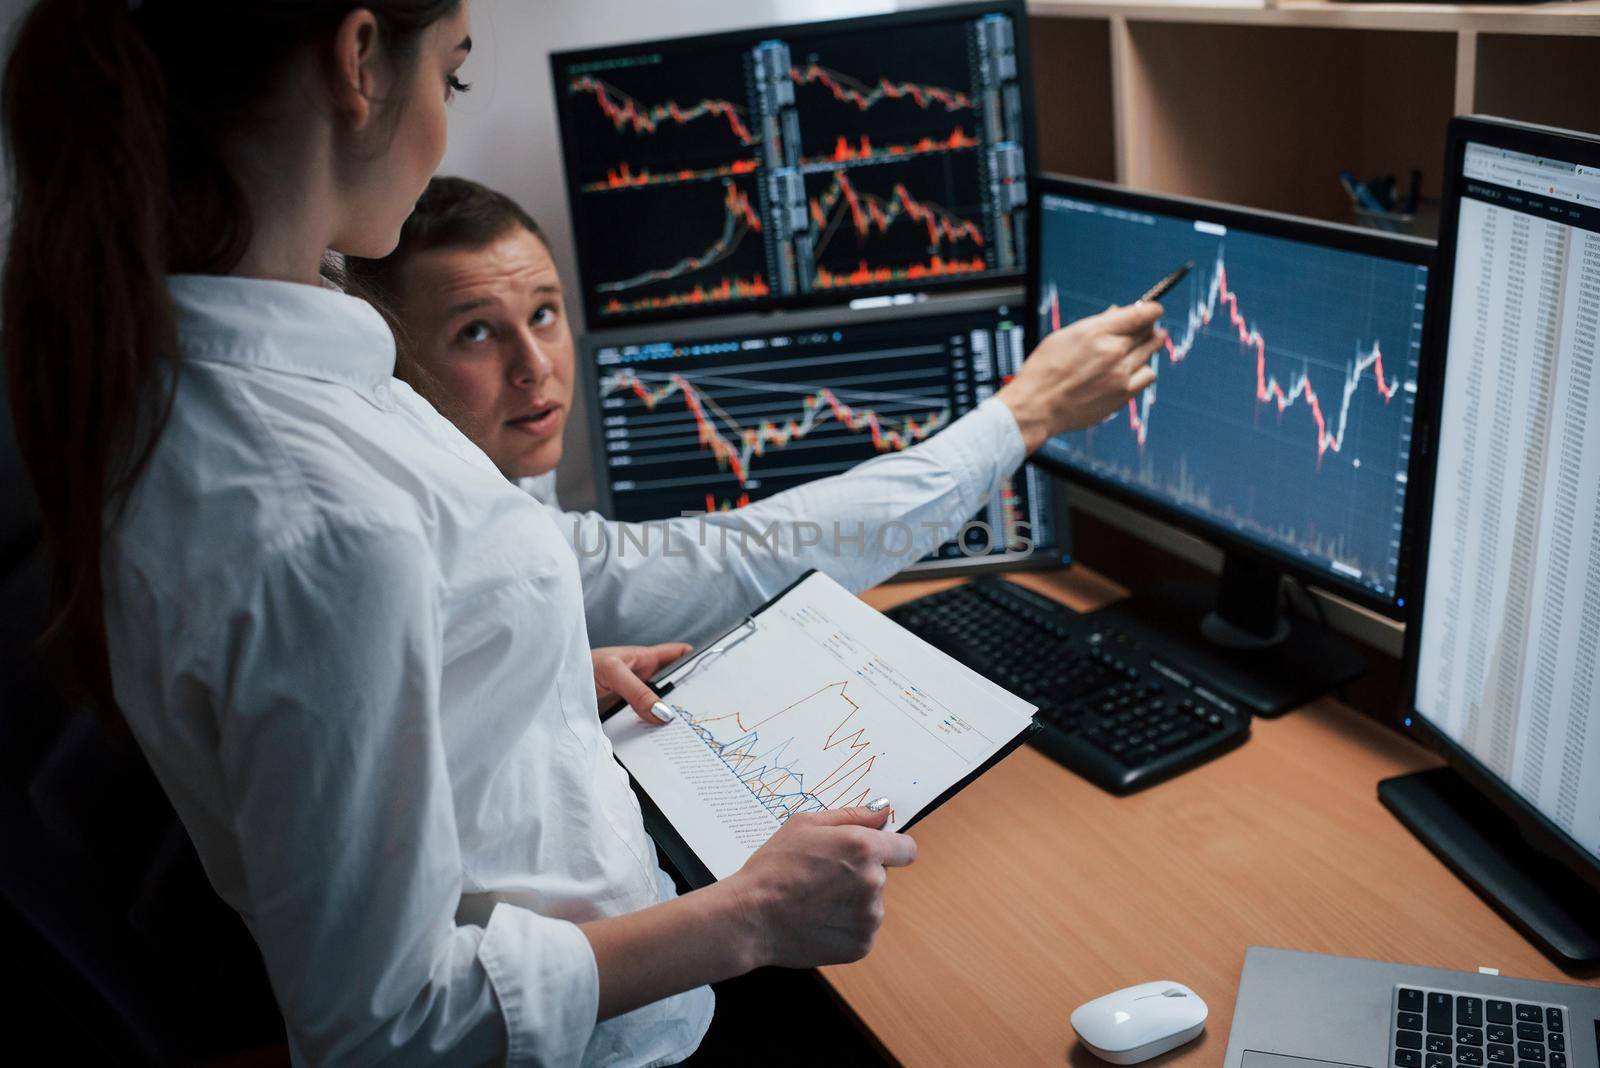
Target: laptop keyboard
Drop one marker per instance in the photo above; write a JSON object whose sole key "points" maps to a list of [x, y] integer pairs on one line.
{"points": [[1442, 1029]]}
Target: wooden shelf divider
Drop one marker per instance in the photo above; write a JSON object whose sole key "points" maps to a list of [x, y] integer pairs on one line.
{"points": [[1264, 105]]}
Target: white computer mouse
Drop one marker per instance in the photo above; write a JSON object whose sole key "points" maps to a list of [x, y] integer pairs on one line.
{"points": [[1138, 1023]]}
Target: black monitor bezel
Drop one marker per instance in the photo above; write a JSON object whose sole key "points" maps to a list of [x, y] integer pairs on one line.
{"points": [[1057, 554], [1412, 250], [1536, 141], [800, 30]]}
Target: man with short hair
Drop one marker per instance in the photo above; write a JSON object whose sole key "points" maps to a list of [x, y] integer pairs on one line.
{"points": [[475, 300], [485, 336]]}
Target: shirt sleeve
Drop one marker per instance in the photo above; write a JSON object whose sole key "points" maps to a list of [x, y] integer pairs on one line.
{"points": [[334, 767], [684, 579]]}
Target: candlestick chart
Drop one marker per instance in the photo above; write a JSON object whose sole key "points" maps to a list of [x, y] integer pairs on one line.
{"points": [[697, 121], [919, 89], [683, 428], [734, 443], [1283, 400], [761, 168], [862, 148], [721, 263], [869, 227], [722, 422]]}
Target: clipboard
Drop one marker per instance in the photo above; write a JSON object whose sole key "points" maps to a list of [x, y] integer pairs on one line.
{"points": [[670, 844]]}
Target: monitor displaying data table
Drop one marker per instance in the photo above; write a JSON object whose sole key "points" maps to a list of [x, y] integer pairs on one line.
{"points": [[1507, 658]]}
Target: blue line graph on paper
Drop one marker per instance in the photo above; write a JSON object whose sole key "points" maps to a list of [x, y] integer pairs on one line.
{"points": [[774, 774], [818, 750]]}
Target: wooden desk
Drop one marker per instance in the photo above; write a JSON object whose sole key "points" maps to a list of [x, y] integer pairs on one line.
{"points": [[1035, 891]]}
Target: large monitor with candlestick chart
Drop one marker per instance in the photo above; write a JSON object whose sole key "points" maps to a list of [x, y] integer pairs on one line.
{"points": [[709, 416], [1280, 423], [789, 165]]}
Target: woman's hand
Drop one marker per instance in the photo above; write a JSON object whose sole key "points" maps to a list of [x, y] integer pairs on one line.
{"points": [[1085, 371], [813, 894], [620, 671]]}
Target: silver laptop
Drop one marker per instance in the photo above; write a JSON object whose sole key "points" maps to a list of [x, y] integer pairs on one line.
{"points": [[1305, 1010]]}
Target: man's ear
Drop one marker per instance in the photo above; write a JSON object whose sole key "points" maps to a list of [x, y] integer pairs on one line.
{"points": [[356, 71]]}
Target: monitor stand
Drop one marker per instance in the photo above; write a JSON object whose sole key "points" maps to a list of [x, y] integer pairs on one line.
{"points": [[1480, 843], [1235, 639]]}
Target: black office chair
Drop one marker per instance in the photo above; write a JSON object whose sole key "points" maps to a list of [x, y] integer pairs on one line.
{"points": [[127, 954]]}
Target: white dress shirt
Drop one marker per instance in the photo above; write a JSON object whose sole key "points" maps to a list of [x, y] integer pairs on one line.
{"points": [[695, 576], [541, 488], [356, 657]]}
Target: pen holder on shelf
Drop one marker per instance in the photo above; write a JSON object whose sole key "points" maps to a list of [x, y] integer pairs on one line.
{"points": [[1424, 222], [1379, 204]]}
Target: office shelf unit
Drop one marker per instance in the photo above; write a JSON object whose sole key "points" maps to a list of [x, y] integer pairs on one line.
{"points": [[1265, 105]]}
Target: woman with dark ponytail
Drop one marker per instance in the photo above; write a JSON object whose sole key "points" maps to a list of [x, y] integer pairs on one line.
{"points": [[353, 653]]}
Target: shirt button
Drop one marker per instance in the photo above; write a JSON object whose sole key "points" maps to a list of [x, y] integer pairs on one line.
{"points": [[381, 391]]}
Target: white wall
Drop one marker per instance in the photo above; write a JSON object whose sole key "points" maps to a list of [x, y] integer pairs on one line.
{"points": [[503, 133]]}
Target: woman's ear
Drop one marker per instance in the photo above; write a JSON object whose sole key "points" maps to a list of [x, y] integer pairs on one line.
{"points": [[357, 73]]}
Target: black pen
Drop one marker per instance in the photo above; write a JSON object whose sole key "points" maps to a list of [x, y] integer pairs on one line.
{"points": [[1161, 288]]}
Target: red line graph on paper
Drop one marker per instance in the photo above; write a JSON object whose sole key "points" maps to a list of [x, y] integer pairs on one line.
{"points": [[848, 90], [627, 114], [734, 445], [771, 773], [1268, 389], [862, 150], [740, 217]]}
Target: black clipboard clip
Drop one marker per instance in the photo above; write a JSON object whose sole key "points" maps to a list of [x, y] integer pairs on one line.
{"points": [[681, 672]]}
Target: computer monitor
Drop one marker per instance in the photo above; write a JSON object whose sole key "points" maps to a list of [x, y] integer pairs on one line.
{"points": [[714, 415], [1504, 651], [1279, 426], [798, 164]]}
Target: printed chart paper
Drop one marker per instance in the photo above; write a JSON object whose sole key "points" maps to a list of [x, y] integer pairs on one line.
{"points": [[820, 702]]}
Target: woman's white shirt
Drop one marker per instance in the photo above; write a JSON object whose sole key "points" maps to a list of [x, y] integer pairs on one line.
{"points": [[356, 656]]}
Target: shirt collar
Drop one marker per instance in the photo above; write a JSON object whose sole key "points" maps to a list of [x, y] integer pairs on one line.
{"points": [[316, 331]]}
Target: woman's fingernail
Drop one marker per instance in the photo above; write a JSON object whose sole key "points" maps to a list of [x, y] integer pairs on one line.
{"points": [[877, 804], [664, 712]]}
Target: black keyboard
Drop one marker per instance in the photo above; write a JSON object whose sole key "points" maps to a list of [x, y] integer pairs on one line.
{"points": [[1443, 1029], [1110, 713]]}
